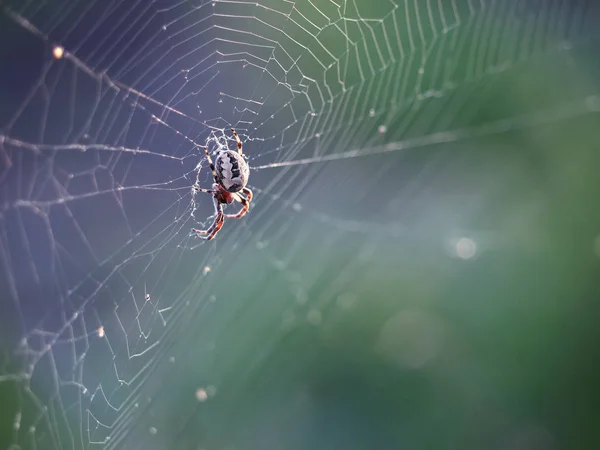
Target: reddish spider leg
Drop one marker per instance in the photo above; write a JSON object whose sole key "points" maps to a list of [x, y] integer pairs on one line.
{"points": [[239, 141], [245, 204], [244, 201], [211, 231]]}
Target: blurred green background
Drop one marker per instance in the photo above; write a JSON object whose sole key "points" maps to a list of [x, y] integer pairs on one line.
{"points": [[437, 289]]}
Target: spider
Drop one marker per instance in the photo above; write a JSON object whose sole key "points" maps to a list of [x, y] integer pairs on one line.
{"points": [[230, 173]]}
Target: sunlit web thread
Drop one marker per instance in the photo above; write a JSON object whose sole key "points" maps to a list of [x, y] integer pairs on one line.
{"points": [[103, 76], [38, 148], [335, 142], [503, 66], [350, 153], [349, 226], [588, 105], [387, 147], [117, 85], [118, 427], [53, 341]]}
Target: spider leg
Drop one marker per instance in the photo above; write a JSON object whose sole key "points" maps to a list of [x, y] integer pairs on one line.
{"points": [[239, 142], [212, 166], [248, 193], [211, 231], [199, 189], [242, 212], [215, 230], [245, 204]]}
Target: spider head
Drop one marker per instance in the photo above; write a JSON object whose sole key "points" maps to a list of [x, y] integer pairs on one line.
{"points": [[222, 195]]}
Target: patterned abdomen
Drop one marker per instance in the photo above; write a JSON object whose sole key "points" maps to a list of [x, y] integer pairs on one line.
{"points": [[232, 170]]}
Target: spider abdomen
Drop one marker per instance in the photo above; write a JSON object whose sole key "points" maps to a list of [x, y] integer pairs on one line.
{"points": [[232, 170]]}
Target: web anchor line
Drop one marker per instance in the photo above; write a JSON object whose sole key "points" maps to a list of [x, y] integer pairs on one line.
{"points": [[588, 105]]}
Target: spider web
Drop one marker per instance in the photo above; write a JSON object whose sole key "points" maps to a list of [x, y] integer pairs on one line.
{"points": [[374, 130]]}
